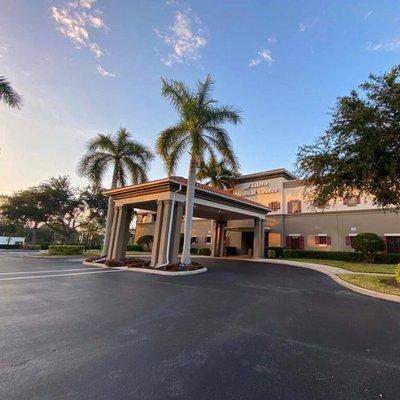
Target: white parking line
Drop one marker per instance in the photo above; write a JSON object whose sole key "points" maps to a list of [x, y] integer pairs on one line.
{"points": [[54, 275], [43, 272]]}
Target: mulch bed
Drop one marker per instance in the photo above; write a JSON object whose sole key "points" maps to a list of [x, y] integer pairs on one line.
{"points": [[139, 263]]}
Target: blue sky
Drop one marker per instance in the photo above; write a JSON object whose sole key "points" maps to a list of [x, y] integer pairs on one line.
{"points": [[85, 67]]}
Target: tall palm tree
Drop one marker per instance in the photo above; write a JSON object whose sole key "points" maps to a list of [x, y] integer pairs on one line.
{"points": [[8, 95], [128, 159], [217, 174], [198, 131]]}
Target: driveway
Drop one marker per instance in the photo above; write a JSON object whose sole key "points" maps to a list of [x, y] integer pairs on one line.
{"points": [[240, 331]]}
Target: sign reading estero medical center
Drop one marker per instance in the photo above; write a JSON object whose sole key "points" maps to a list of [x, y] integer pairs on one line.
{"points": [[254, 188]]}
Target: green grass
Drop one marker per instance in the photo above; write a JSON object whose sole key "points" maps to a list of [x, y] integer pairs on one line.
{"points": [[373, 282], [352, 266]]}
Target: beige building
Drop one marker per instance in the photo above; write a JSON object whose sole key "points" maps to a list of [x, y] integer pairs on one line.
{"points": [[293, 222]]}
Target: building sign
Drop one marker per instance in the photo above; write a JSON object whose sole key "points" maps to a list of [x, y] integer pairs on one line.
{"points": [[254, 188]]}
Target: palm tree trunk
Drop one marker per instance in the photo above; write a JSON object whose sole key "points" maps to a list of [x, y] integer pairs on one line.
{"points": [[189, 212], [110, 217]]}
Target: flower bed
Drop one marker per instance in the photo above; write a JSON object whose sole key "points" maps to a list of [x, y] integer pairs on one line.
{"points": [[140, 263]]}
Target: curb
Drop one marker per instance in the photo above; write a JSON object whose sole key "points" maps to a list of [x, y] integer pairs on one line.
{"points": [[149, 271], [337, 279]]}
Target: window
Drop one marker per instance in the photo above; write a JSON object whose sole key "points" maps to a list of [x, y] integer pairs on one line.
{"points": [[393, 244], [275, 205], [349, 240], [294, 207], [323, 240], [207, 239], [193, 239], [351, 201], [295, 242]]}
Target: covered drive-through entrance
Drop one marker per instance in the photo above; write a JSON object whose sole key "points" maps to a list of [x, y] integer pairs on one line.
{"points": [[166, 197]]}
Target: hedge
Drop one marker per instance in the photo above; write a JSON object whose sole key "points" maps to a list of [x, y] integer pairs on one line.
{"points": [[397, 274], [231, 251], [31, 246], [66, 250], [134, 247], [194, 250], [204, 251], [382, 258], [278, 251]]}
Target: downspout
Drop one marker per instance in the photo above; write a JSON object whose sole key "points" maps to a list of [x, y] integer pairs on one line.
{"points": [[170, 227]]}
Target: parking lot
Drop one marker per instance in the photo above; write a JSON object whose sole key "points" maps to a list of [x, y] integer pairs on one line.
{"points": [[240, 331]]}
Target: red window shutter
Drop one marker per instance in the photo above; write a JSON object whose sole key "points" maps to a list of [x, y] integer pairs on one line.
{"points": [[345, 201], [348, 241], [301, 242], [328, 241], [358, 199], [299, 206], [316, 239], [289, 207], [288, 242]]}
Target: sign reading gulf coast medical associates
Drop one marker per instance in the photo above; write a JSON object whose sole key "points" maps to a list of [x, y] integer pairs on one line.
{"points": [[254, 188]]}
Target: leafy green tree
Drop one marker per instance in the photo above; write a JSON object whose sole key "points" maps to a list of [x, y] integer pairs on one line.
{"points": [[199, 131], [360, 151], [62, 206], [369, 244], [8, 95], [128, 159], [24, 208], [217, 174]]}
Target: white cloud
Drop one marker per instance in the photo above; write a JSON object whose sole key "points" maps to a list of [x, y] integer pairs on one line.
{"points": [[272, 40], [95, 48], [263, 55], [368, 14], [104, 72], [185, 37], [73, 21], [389, 45], [3, 50], [301, 28]]}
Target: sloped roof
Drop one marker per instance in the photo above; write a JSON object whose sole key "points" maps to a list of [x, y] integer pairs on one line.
{"points": [[183, 181]]}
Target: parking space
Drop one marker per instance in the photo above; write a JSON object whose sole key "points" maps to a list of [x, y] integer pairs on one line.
{"points": [[241, 331]]}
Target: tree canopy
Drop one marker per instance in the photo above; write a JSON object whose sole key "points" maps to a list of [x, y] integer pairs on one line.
{"points": [[128, 159], [217, 174], [360, 151]]}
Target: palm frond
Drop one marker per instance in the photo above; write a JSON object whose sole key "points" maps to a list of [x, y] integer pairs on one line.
{"points": [[176, 91], [8, 94], [204, 91]]}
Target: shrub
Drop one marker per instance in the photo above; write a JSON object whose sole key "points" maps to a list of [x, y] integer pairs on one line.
{"points": [[278, 251], [145, 240], [31, 246], [204, 251], [231, 251], [391, 258], [271, 254], [66, 250], [397, 274], [369, 244], [324, 255], [134, 247], [194, 250]]}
